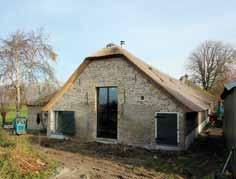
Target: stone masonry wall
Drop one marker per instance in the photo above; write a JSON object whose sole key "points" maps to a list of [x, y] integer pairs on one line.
{"points": [[136, 117], [32, 116]]}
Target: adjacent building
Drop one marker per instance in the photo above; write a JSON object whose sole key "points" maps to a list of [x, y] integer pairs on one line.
{"points": [[229, 121]]}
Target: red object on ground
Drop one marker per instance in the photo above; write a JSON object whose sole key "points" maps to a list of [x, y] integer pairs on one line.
{"points": [[4, 114], [212, 118]]}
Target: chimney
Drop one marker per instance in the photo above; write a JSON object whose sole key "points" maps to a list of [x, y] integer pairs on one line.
{"points": [[122, 42]]}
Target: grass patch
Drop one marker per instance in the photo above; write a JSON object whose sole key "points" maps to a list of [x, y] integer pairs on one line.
{"points": [[20, 160], [11, 112]]}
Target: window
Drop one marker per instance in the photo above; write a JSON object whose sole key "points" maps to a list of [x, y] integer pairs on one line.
{"points": [[142, 98], [167, 128], [107, 106]]}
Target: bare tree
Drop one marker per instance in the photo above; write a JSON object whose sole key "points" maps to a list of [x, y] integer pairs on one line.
{"points": [[25, 59], [6, 98], [209, 62], [229, 75], [3, 104], [38, 90]]}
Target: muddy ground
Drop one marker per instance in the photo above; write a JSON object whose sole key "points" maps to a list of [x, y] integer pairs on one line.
{"points": [[106, 161]]}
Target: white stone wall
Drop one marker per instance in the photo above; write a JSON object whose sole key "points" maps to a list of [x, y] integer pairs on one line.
{"points": [[203, 120], [32, 117], [51, 123], [136, 122]]}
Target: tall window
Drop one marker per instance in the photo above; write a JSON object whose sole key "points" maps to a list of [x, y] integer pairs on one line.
{"points": [[107, 112]]}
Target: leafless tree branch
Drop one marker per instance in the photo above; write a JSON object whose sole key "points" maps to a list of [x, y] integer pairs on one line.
{"points": [[26, 58], [209, 62]]}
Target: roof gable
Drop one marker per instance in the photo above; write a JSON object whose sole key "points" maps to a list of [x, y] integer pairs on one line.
{"points": [[191, 98]]}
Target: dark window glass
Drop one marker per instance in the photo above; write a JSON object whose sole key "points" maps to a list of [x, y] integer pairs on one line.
{"points": [[103, 96], [113, 96], [107, 112]]}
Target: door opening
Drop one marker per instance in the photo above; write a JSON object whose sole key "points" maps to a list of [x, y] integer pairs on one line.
{"points": [[167, 128], [107, 112], [65, 122]]}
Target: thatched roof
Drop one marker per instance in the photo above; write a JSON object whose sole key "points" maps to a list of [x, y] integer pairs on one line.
{"points": [[41, 101], [193, 99]]}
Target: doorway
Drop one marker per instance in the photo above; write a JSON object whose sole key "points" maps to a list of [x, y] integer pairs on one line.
{"points": [[65, 122], [167, 128], [107, 112]]}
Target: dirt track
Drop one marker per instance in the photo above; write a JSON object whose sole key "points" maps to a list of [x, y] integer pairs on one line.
{"points": [[100, 161], [78, 166]]}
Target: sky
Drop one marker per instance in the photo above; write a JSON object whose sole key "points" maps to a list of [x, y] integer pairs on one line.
{"points": [[162, 33]]}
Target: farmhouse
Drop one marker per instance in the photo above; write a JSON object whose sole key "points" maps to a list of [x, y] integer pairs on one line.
{"points": [[115, 97]]}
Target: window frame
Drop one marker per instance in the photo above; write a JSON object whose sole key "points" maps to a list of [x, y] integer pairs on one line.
{"points": [[97, 109]]}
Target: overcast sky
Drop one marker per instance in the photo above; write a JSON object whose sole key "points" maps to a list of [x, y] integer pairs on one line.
{"points": [[162, 33]]}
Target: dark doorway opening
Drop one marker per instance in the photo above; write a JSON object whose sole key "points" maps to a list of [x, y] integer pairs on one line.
{"points": [[107, 112], [167, 128], [65, 122], [191, 122]]}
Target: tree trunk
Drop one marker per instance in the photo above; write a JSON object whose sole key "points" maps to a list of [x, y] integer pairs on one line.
{"points": [[17, 85], [3, 114], [17, 101]]}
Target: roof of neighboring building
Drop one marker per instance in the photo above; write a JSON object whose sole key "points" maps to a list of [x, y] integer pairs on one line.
{"points": [[193, 99], [228, 88], [41, 101]]}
